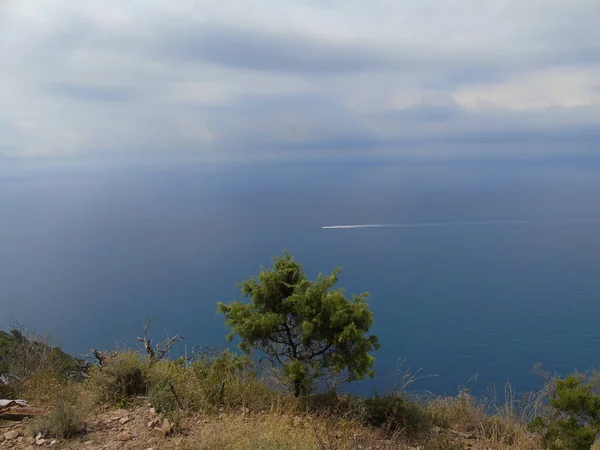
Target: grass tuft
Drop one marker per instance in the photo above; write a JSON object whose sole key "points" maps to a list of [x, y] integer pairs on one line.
{"points": [[63, 422]]}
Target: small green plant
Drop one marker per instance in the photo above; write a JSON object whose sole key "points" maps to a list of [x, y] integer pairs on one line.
{"points": [[575, 418], [63, 422]]}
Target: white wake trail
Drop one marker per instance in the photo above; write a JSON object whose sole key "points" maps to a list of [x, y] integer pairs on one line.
{"points": [[458, 224], [369, 225]]}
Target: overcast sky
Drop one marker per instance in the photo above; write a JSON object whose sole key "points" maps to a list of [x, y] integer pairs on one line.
{"points": [[259, 80]]}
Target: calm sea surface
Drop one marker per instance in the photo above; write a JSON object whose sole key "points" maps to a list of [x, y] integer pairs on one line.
{"points": [[90, 255]]}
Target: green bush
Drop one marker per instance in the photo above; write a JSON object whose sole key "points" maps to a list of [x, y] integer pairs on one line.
{"points": [[575, 419], [123, 377], [215, 381], [394, 413]]}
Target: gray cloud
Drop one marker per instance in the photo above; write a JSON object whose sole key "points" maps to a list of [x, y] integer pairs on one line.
{"points": [[222, 81], [260, 50], [85, 92]]}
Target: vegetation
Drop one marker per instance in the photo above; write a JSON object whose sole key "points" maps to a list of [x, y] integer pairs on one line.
{"points": [[309, 329], [64, 421], [25, 355], [574, 422]]}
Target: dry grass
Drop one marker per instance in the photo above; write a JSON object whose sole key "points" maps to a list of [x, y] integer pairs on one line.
{"points": [[69, 404], [286, 431], [64, 421], [494, 427], [219, 402]]}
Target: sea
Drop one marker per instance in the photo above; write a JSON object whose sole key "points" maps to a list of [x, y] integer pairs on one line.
{"points": [[476, 270]]}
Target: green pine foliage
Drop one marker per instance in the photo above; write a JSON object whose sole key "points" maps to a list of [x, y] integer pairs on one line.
{"points": [[308, 328], [576, 419]]}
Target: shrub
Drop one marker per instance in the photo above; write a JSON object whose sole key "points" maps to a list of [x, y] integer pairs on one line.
{"points": [[63, 422], [394, 413], [214, 381], [124, 376], [575, 420], [24, 355]]}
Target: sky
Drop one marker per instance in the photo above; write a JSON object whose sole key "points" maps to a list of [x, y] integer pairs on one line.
{"points": [[223, 80]]}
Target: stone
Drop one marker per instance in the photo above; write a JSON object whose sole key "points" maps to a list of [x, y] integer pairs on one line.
{"points": [[31, 440], [12, 434], [166, 426], [88, 443], [124, 436], [158, 432], [124, 420], [40, 441]]}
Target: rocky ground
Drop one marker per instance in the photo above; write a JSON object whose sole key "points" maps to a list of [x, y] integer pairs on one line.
{"points": [[139, 428], [143, 429]]}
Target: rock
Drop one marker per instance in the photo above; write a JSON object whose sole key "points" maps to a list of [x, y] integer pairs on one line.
{"points": [[166, 426], [31, 440], [12, 434], [40, 441], [124, 420], [88, 443], [124, 436], [436, 429], [158, 432], [152, 411], [153, 423]]}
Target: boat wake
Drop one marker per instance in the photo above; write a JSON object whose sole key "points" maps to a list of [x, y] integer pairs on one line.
{"points": [[459, 224]]}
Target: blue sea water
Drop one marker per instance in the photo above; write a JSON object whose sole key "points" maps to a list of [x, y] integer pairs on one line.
{"points": [[90, 254]]}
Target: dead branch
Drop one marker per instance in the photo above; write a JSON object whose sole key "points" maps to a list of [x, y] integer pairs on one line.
{"points": [[172, 388], [158, 352], [102, 357]]}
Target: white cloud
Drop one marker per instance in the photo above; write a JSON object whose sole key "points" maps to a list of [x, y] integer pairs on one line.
{"points": [[566, 87]]}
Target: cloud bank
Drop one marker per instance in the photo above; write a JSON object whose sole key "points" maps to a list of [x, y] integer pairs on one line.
{"points": [[252, 81]]}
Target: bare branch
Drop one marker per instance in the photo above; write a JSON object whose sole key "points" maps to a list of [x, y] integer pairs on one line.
{"points": [[158, 351]]}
